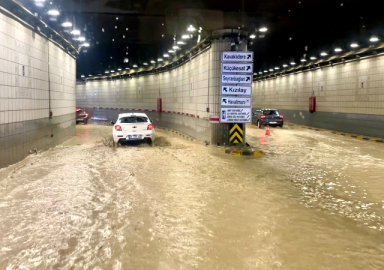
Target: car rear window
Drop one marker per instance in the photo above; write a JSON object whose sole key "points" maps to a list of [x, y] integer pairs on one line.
{"points": [[133, 119], [270, 112]]}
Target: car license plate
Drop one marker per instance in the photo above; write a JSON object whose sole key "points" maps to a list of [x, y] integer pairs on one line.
{"points": [[273, 122], [130, 137]]}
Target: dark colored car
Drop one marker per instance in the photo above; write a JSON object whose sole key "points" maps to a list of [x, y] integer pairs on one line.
{"points": [[271, 117], [81, 116]]}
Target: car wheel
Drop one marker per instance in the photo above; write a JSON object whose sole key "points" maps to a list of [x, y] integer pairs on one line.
{"points": [[281, 126], [85, 122], [259, 125]]}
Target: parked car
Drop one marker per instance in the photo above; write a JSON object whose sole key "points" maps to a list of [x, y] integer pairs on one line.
{"points": [[133, 127], [81, 116], [271, 117]]}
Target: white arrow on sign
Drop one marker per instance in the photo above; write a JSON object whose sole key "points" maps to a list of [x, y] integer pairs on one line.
{"points": [[236, 79], [236, 101], [235, 115], [237, 57], [231, 90], [236, 68]]}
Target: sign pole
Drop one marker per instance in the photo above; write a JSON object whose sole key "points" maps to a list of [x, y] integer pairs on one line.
{"points": [[236, 93]]}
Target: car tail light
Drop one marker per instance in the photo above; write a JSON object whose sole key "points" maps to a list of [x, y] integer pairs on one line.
{"points": [[77, 110], [262, 116], [282, 117], [118, 128], [150, 127], [86, 115]]}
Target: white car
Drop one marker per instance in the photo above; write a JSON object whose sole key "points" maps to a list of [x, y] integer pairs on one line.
{"points": [[133, 127]]}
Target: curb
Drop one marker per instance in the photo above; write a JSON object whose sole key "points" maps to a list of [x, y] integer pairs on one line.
{"points": [[180, 134], [242, 152], [361, 137]]}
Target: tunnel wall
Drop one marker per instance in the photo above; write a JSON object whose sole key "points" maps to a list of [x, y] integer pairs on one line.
{"points": [[35, 75], [186, 92], [349, 97]]}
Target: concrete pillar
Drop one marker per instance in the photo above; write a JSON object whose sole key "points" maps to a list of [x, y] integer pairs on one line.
{"points": [[223, 41]]}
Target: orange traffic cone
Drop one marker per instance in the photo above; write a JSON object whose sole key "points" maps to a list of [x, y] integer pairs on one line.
{"points": [[267, 131]]}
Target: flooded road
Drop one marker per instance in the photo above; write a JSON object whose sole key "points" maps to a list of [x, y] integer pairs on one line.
{"points": [[313, 200]]}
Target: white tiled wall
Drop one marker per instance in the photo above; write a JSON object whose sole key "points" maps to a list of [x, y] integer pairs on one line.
{"points": [[355, 87], [24, 77], [184, 89]]}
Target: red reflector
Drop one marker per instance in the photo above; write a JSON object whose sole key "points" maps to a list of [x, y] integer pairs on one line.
{"points": [[262, 116], [282, 117], [86, 115], [118, 128], [120, 136], [150, 127]]}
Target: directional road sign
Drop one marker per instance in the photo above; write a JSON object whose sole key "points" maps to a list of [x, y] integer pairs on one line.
{"points": [[237, 57], [236, 101], [230, 90], [236, 79], [235, 115], [236, 68]]}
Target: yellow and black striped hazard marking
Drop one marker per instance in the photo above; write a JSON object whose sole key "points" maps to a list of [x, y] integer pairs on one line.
{"points": [[236, 133], [243, 152]]}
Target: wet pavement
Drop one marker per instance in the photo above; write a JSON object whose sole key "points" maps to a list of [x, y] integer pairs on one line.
{"points": [[313, 200]]}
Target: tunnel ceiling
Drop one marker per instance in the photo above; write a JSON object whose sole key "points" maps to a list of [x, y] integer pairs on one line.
{"points": [[143, 30]]}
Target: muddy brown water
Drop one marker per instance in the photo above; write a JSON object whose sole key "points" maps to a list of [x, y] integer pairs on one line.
{"points": [[314, 200]]}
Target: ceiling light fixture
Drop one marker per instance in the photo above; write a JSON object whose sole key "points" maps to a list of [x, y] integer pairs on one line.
{"points": [[252, 36], [82, 76], [260, 72], [75, 32], [153, 62], [117, 18], [135, 66], [66, 24], [271, 69], [191, 28], [313, 58], [171, 51], [159, 60], [126, 29], [338, 50], [53, 12], [175, 47], [115, 26], [107, 71], [145, 64], [293, 63], [180, 42], [354, 45], [374, 39], [166, 55], [89, 75], [81, 38], [185, 36], [265, 71], [285, 65], [323, 54], [263, 29], [112, 71], [85, 44], [277, 68], [127, 68], [303, 60], [119, 69]]}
